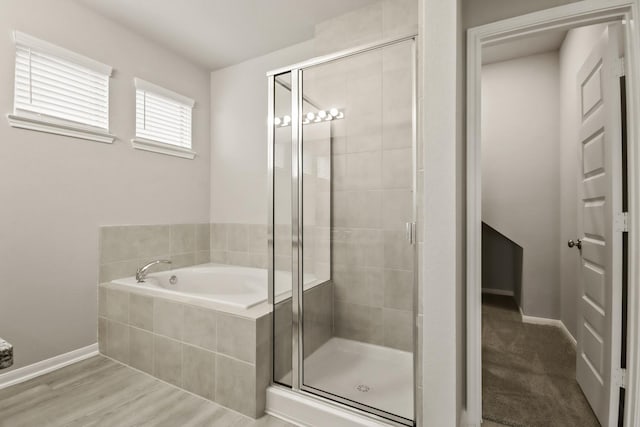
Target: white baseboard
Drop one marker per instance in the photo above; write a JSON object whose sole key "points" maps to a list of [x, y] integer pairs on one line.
{"points": [[464, 420], [550, 322], [497, 292], [26, 373]]}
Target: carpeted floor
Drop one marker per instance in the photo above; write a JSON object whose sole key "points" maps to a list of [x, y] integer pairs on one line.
{"points": [[528, 371]]}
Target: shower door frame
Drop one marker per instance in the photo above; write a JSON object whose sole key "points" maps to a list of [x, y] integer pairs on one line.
{"points": [[297, 366]]}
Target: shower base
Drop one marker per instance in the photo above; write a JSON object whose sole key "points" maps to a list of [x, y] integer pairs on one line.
{"points": [[369, 374]]}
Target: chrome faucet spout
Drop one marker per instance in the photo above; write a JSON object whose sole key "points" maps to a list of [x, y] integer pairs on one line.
{"points": [[141, 273]]}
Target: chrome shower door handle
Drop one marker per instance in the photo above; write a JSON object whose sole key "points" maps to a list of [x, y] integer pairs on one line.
{"points": [[577, 243], [410, 230]]}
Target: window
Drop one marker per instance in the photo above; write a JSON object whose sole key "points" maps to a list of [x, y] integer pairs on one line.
{"points": [[163, 121], [60, 91]]}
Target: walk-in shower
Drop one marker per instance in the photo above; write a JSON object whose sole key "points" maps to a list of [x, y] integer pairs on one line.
{"points": [[342, 252]]}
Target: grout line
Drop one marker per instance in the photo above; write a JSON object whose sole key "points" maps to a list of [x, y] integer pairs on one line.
{"points": [[182, 342]]}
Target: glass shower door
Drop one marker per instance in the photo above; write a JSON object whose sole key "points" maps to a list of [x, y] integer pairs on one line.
{"points": [[280, 227], [358, 201], [342, 277]]}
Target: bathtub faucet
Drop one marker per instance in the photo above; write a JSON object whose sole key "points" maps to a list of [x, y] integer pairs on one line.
{"points": [[141, 273]]}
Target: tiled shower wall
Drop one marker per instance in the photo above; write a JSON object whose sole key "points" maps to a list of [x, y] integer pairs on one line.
{"points": [[246, 245], [372, 262]]}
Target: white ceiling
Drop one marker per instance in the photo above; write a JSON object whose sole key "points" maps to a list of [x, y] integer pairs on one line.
{"points": [[219, 33], [547, 41]]}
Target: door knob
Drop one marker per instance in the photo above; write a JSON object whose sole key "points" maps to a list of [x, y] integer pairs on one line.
{"points": [[577, 243]]}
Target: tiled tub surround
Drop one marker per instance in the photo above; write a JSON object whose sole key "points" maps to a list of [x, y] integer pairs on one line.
{"points": [[239, 244], [246, 245], [220, 356], [124, 248]]}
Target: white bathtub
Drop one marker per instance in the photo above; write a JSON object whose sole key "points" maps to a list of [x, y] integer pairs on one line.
{"points": [[229, 285]]}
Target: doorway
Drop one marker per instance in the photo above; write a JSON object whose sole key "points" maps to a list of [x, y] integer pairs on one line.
{"points": [[597, 245]]}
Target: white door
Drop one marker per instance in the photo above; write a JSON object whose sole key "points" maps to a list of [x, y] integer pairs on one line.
{"points": [[599, 192]]}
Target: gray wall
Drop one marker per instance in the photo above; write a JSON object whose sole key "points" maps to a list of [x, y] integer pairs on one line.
{"points": [[480, 12], [521, 170], [239, 136], [442, 276], [574, 50], [56, 191], [501, 264]]}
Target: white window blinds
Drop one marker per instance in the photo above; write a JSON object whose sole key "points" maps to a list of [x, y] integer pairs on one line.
{"points": [[162, 115], [52, 82]]}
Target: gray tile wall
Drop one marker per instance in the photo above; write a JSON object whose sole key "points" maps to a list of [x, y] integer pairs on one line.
{"points": [[239, 244], [318, 320], [124, 248], [318, 327], [316, 196], [219, 356], [371, 263], [382, 19]]}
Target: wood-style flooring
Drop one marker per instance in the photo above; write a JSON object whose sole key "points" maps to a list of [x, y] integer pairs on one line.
{"points": [[101, 392]]}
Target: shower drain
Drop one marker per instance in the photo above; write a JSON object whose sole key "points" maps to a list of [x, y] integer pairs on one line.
{"points": [[363, 388]]}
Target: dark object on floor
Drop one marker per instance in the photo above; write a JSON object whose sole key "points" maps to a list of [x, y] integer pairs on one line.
{"points": [[528, 371], [6, 354]]}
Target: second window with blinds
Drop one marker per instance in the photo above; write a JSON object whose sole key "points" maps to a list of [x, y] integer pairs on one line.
{"points": [[163, 121]]}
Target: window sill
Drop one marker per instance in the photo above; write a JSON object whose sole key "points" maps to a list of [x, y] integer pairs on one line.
{"points": [[43, 125], [161, 148]]}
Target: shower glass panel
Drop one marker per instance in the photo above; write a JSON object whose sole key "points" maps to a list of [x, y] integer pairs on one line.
{"points": [[280, 166], [343, 165], [358, 179]]}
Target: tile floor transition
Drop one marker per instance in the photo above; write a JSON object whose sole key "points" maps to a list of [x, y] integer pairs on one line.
{"points": [[370, 374], [101, 392]]}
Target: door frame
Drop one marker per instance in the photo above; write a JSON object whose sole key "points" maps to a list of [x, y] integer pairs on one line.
{"points": [[573, 15]]}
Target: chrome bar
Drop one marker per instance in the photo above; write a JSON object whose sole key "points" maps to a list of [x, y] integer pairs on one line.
{"points": [[417, 222], [357, 407], [304, 97], [270, 189], [410, 230], [300, 222], [342, 54], [296, 243]]}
